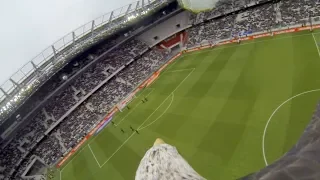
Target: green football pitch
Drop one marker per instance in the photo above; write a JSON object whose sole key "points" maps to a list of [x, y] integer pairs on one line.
{"points": [[217, 106]]}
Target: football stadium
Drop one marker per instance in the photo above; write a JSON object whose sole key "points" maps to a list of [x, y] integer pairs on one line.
{"points": [[234, 89]]}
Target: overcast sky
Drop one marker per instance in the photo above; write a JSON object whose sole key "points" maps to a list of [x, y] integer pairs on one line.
{"points": [[29, 26]]}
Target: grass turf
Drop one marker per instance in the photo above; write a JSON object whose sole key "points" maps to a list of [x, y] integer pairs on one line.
{"points": [[213, 106]]}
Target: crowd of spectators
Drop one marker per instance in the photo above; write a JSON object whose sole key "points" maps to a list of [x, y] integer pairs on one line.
{"points": [[213, 30], [73, 128], [138, 62], [223, 7], [247, 18], [255, 20], [298, 11], [62, 58]]}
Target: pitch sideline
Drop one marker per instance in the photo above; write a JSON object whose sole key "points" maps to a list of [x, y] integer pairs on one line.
{"points": [[245, 43], [133, 132], [87, 145], [179, 70], [315, 41], [306, 92], [148, 117]]}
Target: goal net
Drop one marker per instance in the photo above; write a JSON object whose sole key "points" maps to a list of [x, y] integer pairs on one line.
{"points": [[125, 102]]}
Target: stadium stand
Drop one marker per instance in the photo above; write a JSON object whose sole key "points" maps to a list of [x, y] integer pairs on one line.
{"points": [[56, 127], [297, 12], [76, 125], [59, 54], [251, 20], [213, 30]]}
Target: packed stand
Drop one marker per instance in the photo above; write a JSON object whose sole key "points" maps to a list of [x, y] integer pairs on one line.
{"points": [[222, 7], [70, 131], [214, 30], [298, 11], [57, 81], [79, 123], [61, 103], [23, 166], [257, 19], [100, 33], [226, 6], [9, 158]]}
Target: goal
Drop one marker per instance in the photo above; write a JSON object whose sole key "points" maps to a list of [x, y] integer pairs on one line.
{"points": [[120, 106]]}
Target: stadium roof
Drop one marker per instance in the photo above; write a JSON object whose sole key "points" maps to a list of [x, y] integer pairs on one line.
{"points": [[22, 84]]}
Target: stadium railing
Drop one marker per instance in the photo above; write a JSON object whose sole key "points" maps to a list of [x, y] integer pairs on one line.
{"points": [[150, 79], [34, 73]]}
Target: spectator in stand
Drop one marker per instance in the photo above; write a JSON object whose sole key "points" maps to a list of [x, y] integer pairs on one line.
{"points": [[74, 127]]}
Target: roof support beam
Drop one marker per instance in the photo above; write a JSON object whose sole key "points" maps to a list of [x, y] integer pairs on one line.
{"points": [[15, 83], [73, 37], [92, 28], [128, 10], [54, 52], [137, 6], [5, 93], [111, 16]]}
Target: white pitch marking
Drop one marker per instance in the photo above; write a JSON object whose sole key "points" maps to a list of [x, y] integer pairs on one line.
{"points": [[168, 96], [213, 50], [147, 118], [138, 127], [133, 109], [118, 149], [89, 147], [179, 70], [267, 124], [74, 157], [160, 115], [128, 114], [94, 156], [131, 135], [315, 41]]}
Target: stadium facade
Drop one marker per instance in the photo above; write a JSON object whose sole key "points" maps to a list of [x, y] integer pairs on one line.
{"points": [[88, 72]]}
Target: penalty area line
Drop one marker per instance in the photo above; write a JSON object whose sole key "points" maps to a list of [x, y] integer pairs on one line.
{"points": [[168, 96], [132, 109], [74, 156], [171, 94], [88, 145], [118, 149], [94, 156], [160, 115]]}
